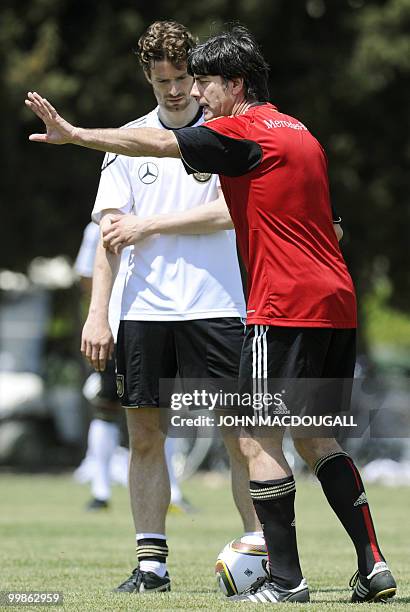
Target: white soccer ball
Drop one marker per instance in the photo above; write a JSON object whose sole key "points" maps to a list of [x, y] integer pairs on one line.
{"points": [[239, 564]]}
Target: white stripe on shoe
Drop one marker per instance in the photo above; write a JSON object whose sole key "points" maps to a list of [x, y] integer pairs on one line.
{"points": [[270, 595]]}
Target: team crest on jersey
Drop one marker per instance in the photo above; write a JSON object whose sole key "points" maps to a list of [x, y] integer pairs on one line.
{"points": [[120, 385], [202, 177], [148, 173]]}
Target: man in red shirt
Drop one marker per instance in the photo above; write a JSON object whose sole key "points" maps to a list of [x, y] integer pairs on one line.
{"points": [[301, 302]]}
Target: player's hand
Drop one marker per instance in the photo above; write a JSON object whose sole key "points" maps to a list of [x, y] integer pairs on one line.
{"points": [[97, 342], [59, 131], [105, 225], [124, 230]]}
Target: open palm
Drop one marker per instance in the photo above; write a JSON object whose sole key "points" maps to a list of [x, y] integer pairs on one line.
{"points": [[59, 131]]}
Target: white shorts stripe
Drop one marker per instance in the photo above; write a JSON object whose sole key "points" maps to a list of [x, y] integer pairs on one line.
{"points": [[254, 373], [265, 368], [260, 364], [259, 349]]}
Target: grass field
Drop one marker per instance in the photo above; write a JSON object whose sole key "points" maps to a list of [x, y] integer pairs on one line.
{"points": [[48, 542]]}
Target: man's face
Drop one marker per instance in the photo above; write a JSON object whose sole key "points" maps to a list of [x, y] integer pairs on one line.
{"points": [[171, 85], [214, 95]]}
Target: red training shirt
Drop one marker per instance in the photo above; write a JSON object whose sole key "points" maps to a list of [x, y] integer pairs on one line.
{"points": [[273, 174]]}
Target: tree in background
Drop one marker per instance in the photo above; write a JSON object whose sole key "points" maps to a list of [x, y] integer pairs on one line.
{"points": [[342, 67]]}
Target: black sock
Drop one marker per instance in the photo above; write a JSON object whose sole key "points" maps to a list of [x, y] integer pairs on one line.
{"points": [[152, 549], [343, 487], [274, 502]]}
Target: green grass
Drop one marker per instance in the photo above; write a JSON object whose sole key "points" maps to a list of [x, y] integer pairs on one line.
{"points": [[48, 542]]}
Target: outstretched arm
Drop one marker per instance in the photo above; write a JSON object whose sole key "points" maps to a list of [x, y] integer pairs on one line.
{"points": [[134, 142]]}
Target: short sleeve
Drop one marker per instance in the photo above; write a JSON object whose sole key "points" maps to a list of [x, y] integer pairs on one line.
{"points": [[206, 150], [114, 189]]}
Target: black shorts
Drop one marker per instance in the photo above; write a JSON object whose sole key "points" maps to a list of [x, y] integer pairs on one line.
{"points": [[108, 391], [274, 357], [148, 351], [100, 390]]}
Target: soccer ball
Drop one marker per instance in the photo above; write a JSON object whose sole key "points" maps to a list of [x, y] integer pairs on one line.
{"points": [[239, 564]]}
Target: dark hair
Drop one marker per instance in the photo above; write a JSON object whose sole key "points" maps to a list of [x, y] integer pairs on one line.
{"points": [[164, 40], [231, 54]]}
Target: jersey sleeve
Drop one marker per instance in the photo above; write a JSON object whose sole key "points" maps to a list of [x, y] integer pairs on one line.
{"points": [[114, 189], [207, 149]]}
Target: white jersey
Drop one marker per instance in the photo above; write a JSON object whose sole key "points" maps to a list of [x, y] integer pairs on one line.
{"points": [[84, 266], [170, 277]]}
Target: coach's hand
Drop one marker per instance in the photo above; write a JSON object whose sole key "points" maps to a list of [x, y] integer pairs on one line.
{"points": [[124, 230], [59, 131], [97, 342]]}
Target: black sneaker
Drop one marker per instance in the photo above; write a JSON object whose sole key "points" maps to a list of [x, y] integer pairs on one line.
{"points": [[97, 504], [265, 591], [378, 586], [141, 582]]}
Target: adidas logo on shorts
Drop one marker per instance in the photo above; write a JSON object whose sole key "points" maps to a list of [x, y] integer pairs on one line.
{"points": [[362, 499]]}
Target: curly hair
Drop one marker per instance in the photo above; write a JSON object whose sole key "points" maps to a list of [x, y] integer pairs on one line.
{"points": [[164, 40]]}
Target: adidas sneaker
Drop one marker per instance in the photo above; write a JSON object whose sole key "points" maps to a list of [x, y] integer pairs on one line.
{"points": [[264, 591], [378, 586]]}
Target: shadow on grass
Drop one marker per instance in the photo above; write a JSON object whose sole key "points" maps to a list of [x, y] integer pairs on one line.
{"points": [[318, 596], [201, 592], [319, 600], [314, 601], [330, 590]]}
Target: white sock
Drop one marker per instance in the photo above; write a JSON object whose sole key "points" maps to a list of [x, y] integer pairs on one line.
{"points": [[169, 449], [103, 439], [146, 536], [253, 537], [153, 566]]}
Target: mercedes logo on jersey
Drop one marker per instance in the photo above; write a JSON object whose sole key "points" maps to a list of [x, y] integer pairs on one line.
{"points": [[148, 173]]}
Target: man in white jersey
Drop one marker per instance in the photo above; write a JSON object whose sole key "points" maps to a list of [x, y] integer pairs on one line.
{"points": [[181, 310]]}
